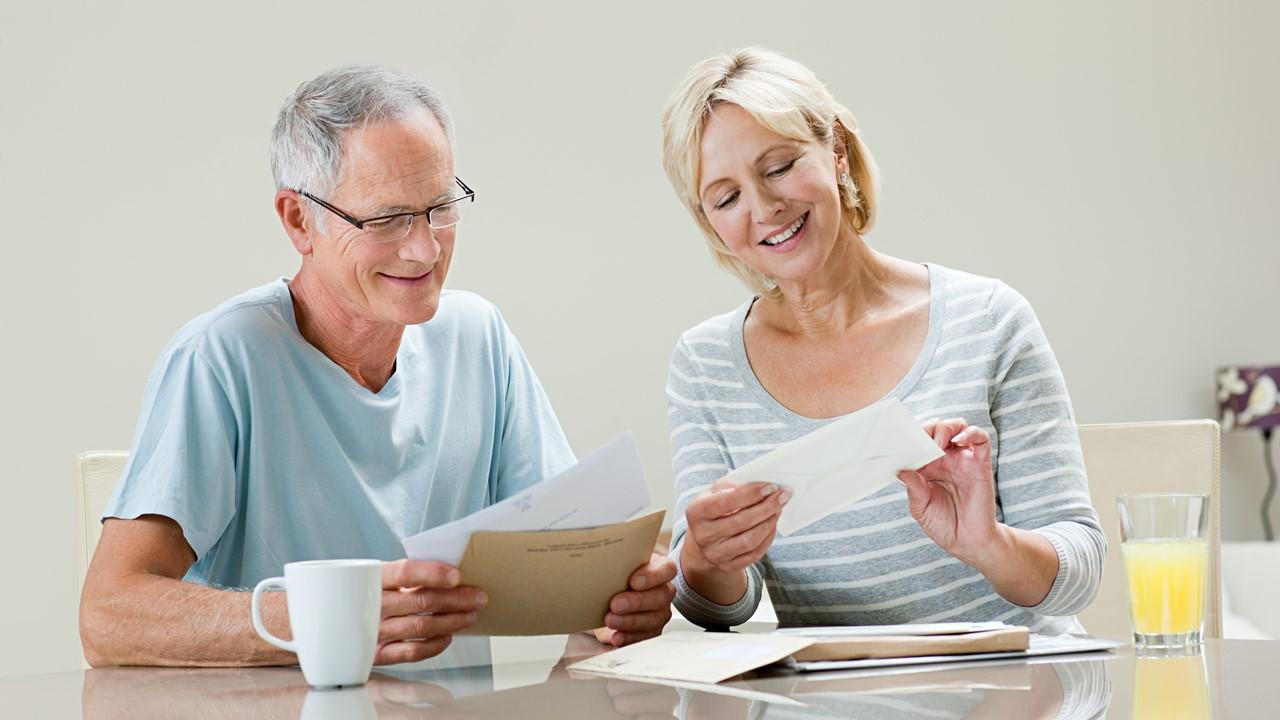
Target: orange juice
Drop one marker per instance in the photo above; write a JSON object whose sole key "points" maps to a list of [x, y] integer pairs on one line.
{"points": [[1166, 584], [1170, 688]]}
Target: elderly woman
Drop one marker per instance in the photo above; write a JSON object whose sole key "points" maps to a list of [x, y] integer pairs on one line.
{"points": [[1001, 527]]}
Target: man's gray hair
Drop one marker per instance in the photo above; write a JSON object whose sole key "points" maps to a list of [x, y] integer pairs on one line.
{"points": [[306, 143]]}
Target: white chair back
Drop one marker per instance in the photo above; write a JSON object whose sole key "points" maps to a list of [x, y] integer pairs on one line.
{"points": [[1129, 458], [96, 476]]}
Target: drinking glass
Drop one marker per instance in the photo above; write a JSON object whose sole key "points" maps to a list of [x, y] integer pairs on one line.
{"points": [[1165, 548]]}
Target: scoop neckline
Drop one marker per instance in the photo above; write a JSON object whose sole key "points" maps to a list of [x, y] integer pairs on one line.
{"points": [[738, 348]]}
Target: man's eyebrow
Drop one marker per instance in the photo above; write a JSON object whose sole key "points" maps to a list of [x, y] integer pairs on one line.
{"points": [[382, 210]]}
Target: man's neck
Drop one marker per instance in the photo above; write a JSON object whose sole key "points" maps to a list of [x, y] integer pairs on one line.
{"points": [[366, 350]]}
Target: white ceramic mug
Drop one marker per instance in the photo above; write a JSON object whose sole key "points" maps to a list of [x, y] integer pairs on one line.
{"points": [[334, 610]]}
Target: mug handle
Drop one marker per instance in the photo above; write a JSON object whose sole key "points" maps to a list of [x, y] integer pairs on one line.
{"points": [[276, 582]]}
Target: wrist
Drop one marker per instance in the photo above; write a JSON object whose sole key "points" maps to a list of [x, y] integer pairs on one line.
{"points": [[995, 555], [707, 580]]}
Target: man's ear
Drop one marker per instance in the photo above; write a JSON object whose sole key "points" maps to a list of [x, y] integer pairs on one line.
{"points": [[298, 223]]}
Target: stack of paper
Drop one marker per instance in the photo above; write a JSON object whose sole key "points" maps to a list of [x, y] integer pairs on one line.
{"points": [[714, 657], [841, 463]]}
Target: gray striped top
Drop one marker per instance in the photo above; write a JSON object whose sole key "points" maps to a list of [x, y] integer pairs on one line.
{"points": [[985, 359]]}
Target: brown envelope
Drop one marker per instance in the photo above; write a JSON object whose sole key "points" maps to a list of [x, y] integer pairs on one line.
{"points": [[554, 582]]}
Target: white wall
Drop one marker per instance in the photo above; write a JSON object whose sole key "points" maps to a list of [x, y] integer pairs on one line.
{"points": [[1117, 162]]}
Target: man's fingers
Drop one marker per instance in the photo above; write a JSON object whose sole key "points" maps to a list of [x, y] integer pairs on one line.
{"points": [[419, 573], [410, 651], [423, 627], [661, 569], [652, 599], [424, 600], [653, 620]]}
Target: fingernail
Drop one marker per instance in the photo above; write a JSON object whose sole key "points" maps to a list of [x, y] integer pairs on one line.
{"points": [[640, 582], [471, 617], [482, 598], [770, 489], [623, 606], [454, 577], [785, 497]]}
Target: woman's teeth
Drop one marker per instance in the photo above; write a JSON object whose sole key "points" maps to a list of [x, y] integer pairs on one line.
{"points": [[785, 235]]}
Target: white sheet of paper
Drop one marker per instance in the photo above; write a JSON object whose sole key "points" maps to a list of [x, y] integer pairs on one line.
{"points": [[1041, 645], [605, 487], [694, 656], [842, 462]]}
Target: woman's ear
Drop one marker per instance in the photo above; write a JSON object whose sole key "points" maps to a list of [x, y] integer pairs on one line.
{"points": [[297, 222], [840, 147]]}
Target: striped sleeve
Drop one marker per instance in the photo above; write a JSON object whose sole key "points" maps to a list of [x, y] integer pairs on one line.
{"points": [[1039, 468], [698, 460]]}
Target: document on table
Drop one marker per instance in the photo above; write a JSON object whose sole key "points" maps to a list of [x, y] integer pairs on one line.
{"points": [[694, 656], [842, 462], [1041, 645], [604, 488]]}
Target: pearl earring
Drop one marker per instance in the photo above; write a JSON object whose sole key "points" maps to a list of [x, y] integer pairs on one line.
{"points": [[844, 178]]}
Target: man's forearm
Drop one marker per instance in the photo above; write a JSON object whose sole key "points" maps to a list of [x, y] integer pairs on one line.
{"points": [[146, 619]]}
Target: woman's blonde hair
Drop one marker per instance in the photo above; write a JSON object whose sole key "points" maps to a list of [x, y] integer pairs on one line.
{"points": [[785, 97]]}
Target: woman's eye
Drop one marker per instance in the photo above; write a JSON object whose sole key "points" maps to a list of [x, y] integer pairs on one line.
{"points": [[781, 169], [727, 200]]}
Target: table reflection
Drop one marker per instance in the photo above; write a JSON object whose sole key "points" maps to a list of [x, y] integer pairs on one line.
{"points": [[1075, 689]]}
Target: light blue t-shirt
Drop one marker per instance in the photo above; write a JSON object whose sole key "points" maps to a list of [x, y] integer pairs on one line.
{"points": [[266, 452]]}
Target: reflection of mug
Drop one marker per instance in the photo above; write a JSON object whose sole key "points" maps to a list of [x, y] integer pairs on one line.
{"points": [[334, 608], [344, 704]]}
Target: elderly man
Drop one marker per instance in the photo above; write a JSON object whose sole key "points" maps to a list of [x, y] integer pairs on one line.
{"points": [[331, 414]]}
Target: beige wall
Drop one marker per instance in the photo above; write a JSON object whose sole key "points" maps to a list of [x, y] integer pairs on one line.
{"points": [[1117, 162]]}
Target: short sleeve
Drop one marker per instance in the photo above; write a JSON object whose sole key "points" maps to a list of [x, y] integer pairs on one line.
{"points": [[532, 446], [183, 461]]}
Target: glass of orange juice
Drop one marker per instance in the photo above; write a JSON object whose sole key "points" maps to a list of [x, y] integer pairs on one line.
{"points": [[1165, 548]]}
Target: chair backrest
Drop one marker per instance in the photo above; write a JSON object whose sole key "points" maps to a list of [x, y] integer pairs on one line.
{"points": [[96, 476], [1129, 458]]}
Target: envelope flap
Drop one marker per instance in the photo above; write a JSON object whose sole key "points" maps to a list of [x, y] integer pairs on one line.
{"points": [[553, 582]]}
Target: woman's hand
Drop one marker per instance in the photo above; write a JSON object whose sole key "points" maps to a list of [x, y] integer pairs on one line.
{"points": [[953, 497], [730, 528]]}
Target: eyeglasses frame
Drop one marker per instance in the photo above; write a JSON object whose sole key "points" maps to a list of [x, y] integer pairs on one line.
{"points": [[468, 195]]}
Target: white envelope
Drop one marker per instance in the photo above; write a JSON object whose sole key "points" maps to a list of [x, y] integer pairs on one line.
{"points": [[842, 462], [604, 488]]}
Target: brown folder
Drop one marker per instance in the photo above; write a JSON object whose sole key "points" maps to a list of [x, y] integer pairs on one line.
{"points": [[554, 582], [893, 646]]}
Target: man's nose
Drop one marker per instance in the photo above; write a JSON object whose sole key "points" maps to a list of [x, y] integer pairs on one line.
{"points": [[420, 245]]}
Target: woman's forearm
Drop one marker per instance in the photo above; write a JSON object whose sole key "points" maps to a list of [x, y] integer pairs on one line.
{"points": [[1021, 566]]}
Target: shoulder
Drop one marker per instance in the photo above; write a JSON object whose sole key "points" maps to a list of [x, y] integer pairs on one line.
{"points": [[712, 336], [248, 320], [966, 292]]}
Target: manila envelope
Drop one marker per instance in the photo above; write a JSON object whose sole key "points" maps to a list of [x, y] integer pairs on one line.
{"points": [[554, 582]]}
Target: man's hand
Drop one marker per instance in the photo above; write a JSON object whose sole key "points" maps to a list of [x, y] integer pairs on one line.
{"points": [[422, 607], [641, 612]]}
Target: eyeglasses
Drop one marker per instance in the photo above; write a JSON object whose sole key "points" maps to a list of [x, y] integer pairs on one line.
{"points": [[399, 225]]}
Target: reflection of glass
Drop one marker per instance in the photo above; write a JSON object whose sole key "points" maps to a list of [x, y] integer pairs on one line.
{"points": [[1170, 688], [1166, 555]]}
